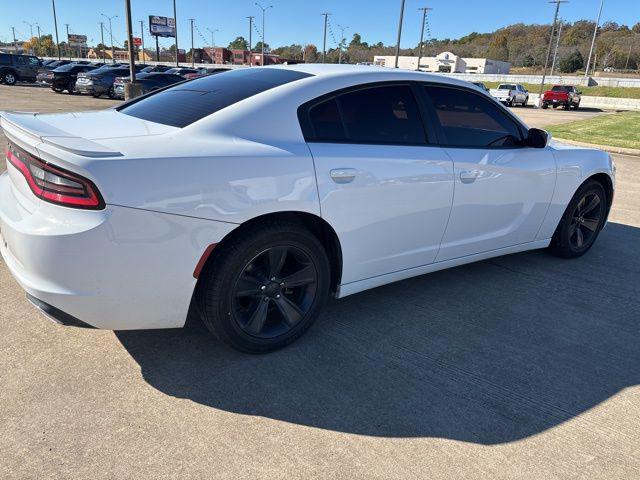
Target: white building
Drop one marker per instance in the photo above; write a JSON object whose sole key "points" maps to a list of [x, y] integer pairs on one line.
{"points": [[446, 62]]}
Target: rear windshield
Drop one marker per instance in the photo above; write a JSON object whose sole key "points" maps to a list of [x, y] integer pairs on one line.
{"points": [[560, 88], [506, 86], [188, 102]]}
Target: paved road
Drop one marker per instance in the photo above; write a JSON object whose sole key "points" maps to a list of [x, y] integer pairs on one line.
{"points": [[518, 367]]}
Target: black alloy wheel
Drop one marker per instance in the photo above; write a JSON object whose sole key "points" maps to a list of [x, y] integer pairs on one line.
{"points": [[263, 287], [585, 221], [274, 292], [581, 222]]}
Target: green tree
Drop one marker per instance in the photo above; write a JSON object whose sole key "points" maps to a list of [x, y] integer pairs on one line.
{"points": [[258, 47], [239, 44], [528, 61], [572, 63]]}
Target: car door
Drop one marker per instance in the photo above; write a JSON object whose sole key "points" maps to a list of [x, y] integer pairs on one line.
{"points": [[383, 186], [502, 188]]}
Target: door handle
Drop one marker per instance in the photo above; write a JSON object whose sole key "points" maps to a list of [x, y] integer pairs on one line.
{"points": [[343, 175], [469, 176]]}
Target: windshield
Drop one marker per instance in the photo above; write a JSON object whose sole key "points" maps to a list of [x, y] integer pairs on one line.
{"points": [[560, 88], [506, 86], [188, 102]]}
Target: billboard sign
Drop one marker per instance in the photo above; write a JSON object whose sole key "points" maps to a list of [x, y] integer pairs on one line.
{"points": [[162, 26], [137, 41], [77, 40]]}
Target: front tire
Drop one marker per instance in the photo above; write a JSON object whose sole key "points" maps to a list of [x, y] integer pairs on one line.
{"points": [[581, 222], [264, 289]]}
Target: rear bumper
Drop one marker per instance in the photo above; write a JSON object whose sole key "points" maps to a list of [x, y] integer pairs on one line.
{"points": [[119, 268], [91, 88]]}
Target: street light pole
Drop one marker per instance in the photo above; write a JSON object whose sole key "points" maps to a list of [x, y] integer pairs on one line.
{"points": [[142, 37], [193, 62], [102, 38], [399, 33], [68, 44], [55, 23], [593, 40], [250, 29], [30, 34], [132, 89], [424, 19], [113, 53], [175, 20], [324, 41], [546, 60], [15, 44], [39, 39], [264, 10]]}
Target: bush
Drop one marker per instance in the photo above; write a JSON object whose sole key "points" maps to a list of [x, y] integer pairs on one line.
{"points": [[572, 63]]}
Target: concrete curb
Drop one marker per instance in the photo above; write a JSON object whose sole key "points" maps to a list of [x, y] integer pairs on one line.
{"points": [[607, 148]]}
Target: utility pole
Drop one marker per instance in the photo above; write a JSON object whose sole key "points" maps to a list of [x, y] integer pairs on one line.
{"points": [[55, 23], [102, 38], [193, 62], [30, 35], [213, 43], [399, 32], [132, 89], [250, 29], [424, 20], [264, 9], [175, 20], [546, 60], [324, 41], [142, 37], [593, 41], [626, 64], [68, 45], [555, 54], [15, 45], [342, 40], [113, 53]]}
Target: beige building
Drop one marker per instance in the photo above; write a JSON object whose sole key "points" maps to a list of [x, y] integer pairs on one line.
{"points": [[446, 62]]}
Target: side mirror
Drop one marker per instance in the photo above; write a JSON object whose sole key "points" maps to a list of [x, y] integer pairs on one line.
{"points": [[537, 138]]}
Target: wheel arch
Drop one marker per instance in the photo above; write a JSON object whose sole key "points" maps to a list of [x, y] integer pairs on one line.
{"points": [[607, 183], [318, 226]]}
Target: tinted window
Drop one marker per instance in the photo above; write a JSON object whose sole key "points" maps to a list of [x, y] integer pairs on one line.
{"points": [[560, 88], [326, 122], [382, 115], [469, 120], [5, 59], [188, 102]]}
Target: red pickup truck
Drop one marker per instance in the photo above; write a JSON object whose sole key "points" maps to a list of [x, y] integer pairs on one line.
{"points": [[567, 96]]}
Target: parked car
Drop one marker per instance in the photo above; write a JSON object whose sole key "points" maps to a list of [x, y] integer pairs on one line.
{"points": [[565, 96], [99, 82], [510, 93], [181, 71], [64, 78], [149, 82], [202, 71], [251, 196], [52, 65], [155, 68], [15, 68], [481, 85]]}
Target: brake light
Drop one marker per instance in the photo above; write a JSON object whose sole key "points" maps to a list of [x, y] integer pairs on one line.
{"points": [[54, 184]]}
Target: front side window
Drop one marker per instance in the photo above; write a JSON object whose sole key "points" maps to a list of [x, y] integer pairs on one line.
{"points": [[375, 115], [469, 120]]}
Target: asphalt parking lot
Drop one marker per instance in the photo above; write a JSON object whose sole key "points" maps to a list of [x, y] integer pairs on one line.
{"points": [[523, 366]]}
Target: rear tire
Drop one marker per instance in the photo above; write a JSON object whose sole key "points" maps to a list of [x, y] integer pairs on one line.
{"points": [[250, 297], [545, 106], [9, 78], [581, 222]]}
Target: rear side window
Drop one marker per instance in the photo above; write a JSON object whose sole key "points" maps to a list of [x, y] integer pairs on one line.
{"points": [[375, 115], [188, 102], [5, 59], [470, 120]]}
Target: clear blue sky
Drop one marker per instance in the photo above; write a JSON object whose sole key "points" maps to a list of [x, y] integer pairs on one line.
{"points": [[300, 21]]}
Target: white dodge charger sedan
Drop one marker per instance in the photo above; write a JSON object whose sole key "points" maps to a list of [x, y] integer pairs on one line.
{"points": [[254, 194]]}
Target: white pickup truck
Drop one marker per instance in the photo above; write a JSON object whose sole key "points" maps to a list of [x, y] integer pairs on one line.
{"points": [[510, 93]]}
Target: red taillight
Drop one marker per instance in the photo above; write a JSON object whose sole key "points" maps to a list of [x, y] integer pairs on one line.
{"points": [[54, 184]]}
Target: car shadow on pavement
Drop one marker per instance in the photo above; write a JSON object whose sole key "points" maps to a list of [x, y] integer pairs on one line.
{"points": [[487, 353]]}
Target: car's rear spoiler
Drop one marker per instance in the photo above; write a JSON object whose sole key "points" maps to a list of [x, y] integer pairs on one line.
{"points": [[26, 123]]}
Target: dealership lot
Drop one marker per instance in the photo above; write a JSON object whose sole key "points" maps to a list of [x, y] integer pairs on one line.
{"points": [[517, 367]]}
